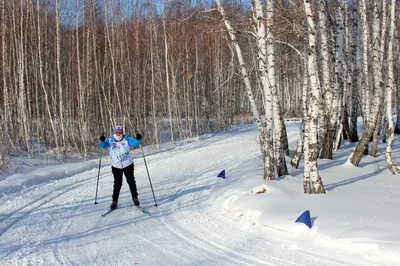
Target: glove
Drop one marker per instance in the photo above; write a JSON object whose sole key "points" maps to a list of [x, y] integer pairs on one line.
{"points": [[102, 138], [138, 136]]}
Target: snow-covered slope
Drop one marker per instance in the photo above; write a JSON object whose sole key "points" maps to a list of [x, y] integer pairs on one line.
{"points": [[48, 217]]}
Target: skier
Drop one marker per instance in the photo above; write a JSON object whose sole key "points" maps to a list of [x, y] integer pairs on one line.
{"points": [[122, 162]]}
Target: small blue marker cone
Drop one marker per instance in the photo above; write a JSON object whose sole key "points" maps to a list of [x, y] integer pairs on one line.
{"points": [[222, 174], [305, 218]]}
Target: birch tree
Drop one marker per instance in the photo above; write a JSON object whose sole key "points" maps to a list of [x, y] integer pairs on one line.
{"points": [[167, 72], [365, 67], [304, 116], [389, 90], [312, 181], [81, 95], [344, 123], [381, 53], [337, 100], [59, 80], [3, 107], [327, 130], [260, 30], [354, 72], [278, 121], [20, 80], [377, 57], [153, 89]]}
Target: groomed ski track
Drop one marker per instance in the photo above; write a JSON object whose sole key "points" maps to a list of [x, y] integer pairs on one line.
{"points": [[57, 223]]}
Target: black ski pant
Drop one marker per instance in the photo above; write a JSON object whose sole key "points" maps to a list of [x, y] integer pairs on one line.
{"points": [[130, 178]]}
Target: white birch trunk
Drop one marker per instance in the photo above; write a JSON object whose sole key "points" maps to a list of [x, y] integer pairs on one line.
{"points": [[110, 41], [311, 166], [304, 115], [306, 146], [390, 87], [278, 121], [22, 113], [171, 122], [59, 81], [196, 87], [327, 90], [344, 121], [3, 116], [397, 101], [81, 110], [380, 67], [3, 125], [154, 106], [338, 93], [365, 44], [260, 29], [353, 134]]}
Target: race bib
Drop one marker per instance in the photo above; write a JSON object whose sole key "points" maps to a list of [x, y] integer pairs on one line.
{"points": [[120, 152]]}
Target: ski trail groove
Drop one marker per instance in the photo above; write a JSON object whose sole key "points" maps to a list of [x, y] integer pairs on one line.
{"points": [[36, 204], [211, 246]]}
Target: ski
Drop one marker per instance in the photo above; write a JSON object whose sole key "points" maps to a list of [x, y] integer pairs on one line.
{"points": [[142, 210], [110, 210], [138, 207]]}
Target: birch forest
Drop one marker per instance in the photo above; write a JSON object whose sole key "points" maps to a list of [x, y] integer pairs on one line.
{"points": [[176, 69]]}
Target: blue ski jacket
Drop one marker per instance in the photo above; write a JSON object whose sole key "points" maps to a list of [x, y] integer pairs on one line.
{"points": [[120, 151]]}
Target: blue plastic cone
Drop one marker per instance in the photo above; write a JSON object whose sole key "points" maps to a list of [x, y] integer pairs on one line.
{"points": [[222, 174], [305, 218]]}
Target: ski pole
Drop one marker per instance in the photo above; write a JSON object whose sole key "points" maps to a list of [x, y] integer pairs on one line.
{"points": [[98, 176], [141, 148]]}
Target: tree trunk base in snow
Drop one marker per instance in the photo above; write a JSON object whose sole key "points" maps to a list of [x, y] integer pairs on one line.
{"points": [[327, 145], [353, 136], [361, 147]]}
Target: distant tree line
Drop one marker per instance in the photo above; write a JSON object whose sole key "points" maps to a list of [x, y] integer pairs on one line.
{"points": [[72, 69]]}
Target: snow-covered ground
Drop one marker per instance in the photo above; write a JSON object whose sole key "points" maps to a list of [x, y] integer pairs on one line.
{"points": [[48, 216]]}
